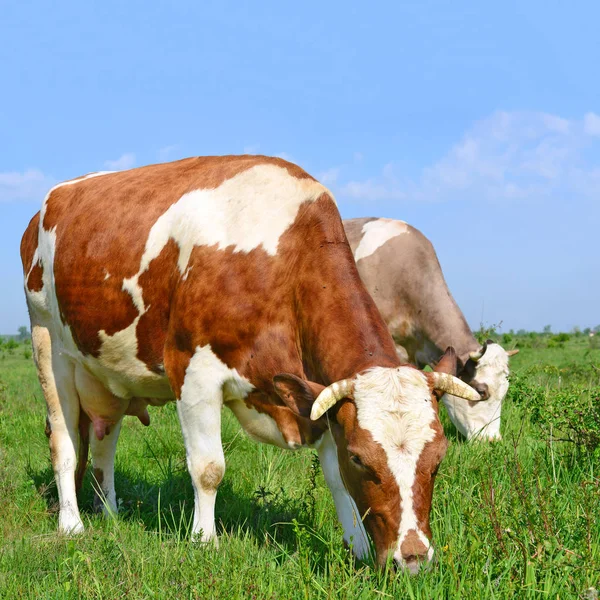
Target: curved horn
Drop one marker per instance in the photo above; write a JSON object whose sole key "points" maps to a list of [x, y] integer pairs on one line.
{"points": [[330, 395], [475, 356], [452, 385]]}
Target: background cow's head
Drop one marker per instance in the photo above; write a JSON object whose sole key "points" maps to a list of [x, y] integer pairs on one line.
{"points": [[390, 443], [486, 370]]}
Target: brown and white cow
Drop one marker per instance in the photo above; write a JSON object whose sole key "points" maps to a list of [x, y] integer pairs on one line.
{"points": [[401, 271], [228, 280]]}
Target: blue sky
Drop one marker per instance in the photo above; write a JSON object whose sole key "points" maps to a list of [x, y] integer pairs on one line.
{"points": [[479, 123]]}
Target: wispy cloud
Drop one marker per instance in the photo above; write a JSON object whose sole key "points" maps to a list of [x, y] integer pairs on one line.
{"points": [[330, 176], [592, 124], [27, 186], [507, 156], [251, 149], [125, 161], [166, 153]]}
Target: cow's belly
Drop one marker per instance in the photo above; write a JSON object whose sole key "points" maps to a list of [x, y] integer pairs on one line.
{"points": [[116, 367]]}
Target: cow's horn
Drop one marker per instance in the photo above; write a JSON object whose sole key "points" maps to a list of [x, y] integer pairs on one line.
{"points": [[475, 356], [449, 384], [330, 395]]}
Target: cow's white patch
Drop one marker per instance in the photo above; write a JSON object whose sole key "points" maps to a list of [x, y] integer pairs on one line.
{"points": [[347, 511], [376, 234], [394, 405], [207, 382], [482, 419], [248, 211]]}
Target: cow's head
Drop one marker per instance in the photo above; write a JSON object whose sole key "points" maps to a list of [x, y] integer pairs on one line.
{"points": [[389, 445], [486, 370]]}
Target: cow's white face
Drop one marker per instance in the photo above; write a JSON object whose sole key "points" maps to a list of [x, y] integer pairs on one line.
{"points": [[390, 444], [489, 376]]}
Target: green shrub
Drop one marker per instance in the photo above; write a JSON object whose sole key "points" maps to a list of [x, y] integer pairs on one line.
{"points": [[571, 414], [11, 345]]}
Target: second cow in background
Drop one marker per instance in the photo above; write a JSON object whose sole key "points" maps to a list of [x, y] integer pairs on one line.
{"points": [[401, 271]]}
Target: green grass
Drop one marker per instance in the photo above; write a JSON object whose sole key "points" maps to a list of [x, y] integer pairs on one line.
{"points": [[519, 518]]}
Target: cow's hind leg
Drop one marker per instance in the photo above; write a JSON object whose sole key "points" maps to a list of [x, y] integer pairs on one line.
{"points": [[56, 375], [103, 461], [199, 411], [103, 433]]}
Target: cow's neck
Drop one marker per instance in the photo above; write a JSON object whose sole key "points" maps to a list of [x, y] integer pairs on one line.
{"points": [[340, 329], [435, 323]]}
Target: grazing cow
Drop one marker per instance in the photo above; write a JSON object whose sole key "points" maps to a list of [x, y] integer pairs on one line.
{"points": [[401, 271], [228, 280]]}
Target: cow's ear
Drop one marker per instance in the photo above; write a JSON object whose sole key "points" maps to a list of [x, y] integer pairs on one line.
{"points": [[297, 394], [448, 363], [513, 352]]}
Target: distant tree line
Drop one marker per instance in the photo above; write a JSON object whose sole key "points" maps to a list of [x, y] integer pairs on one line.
{"points": [[538, 339]]}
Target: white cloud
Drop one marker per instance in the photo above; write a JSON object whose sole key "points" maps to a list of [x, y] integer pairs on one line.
{"points": [[591, 124], [506, 156], [125, 161], [29, 185], [252, 149]]}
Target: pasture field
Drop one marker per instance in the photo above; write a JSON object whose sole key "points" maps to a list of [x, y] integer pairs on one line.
{"points": [[519, 518]]}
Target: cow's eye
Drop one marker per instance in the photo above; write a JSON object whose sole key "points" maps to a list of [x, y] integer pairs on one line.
{"points": [[356, 460]]}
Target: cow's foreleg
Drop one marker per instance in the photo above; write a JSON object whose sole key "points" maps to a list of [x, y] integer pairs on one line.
{"points": [[103, 461], [56, 375], [347, 512], [199, 410]]}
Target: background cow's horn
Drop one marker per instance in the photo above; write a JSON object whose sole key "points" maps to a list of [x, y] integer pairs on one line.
{"points": [[330, 395], [475, 356], [444, 382]]}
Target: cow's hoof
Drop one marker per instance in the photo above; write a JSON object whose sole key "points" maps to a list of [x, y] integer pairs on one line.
{"points": [[208, 541], [70, 527]]}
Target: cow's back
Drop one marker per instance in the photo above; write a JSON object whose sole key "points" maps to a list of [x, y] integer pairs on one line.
{"points": [[109, 250]]}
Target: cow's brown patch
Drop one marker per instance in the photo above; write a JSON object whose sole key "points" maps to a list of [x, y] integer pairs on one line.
{"points": [[425, 474], [157, 284], [35, 280], [372, 485], [211, 476], [29, 243]]}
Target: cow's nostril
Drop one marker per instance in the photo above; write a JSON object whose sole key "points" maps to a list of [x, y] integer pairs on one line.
{"points": [[482, 389], [413, 563]]}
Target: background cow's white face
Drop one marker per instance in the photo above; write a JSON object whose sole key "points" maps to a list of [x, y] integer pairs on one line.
{"points": [[488, 374]]}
